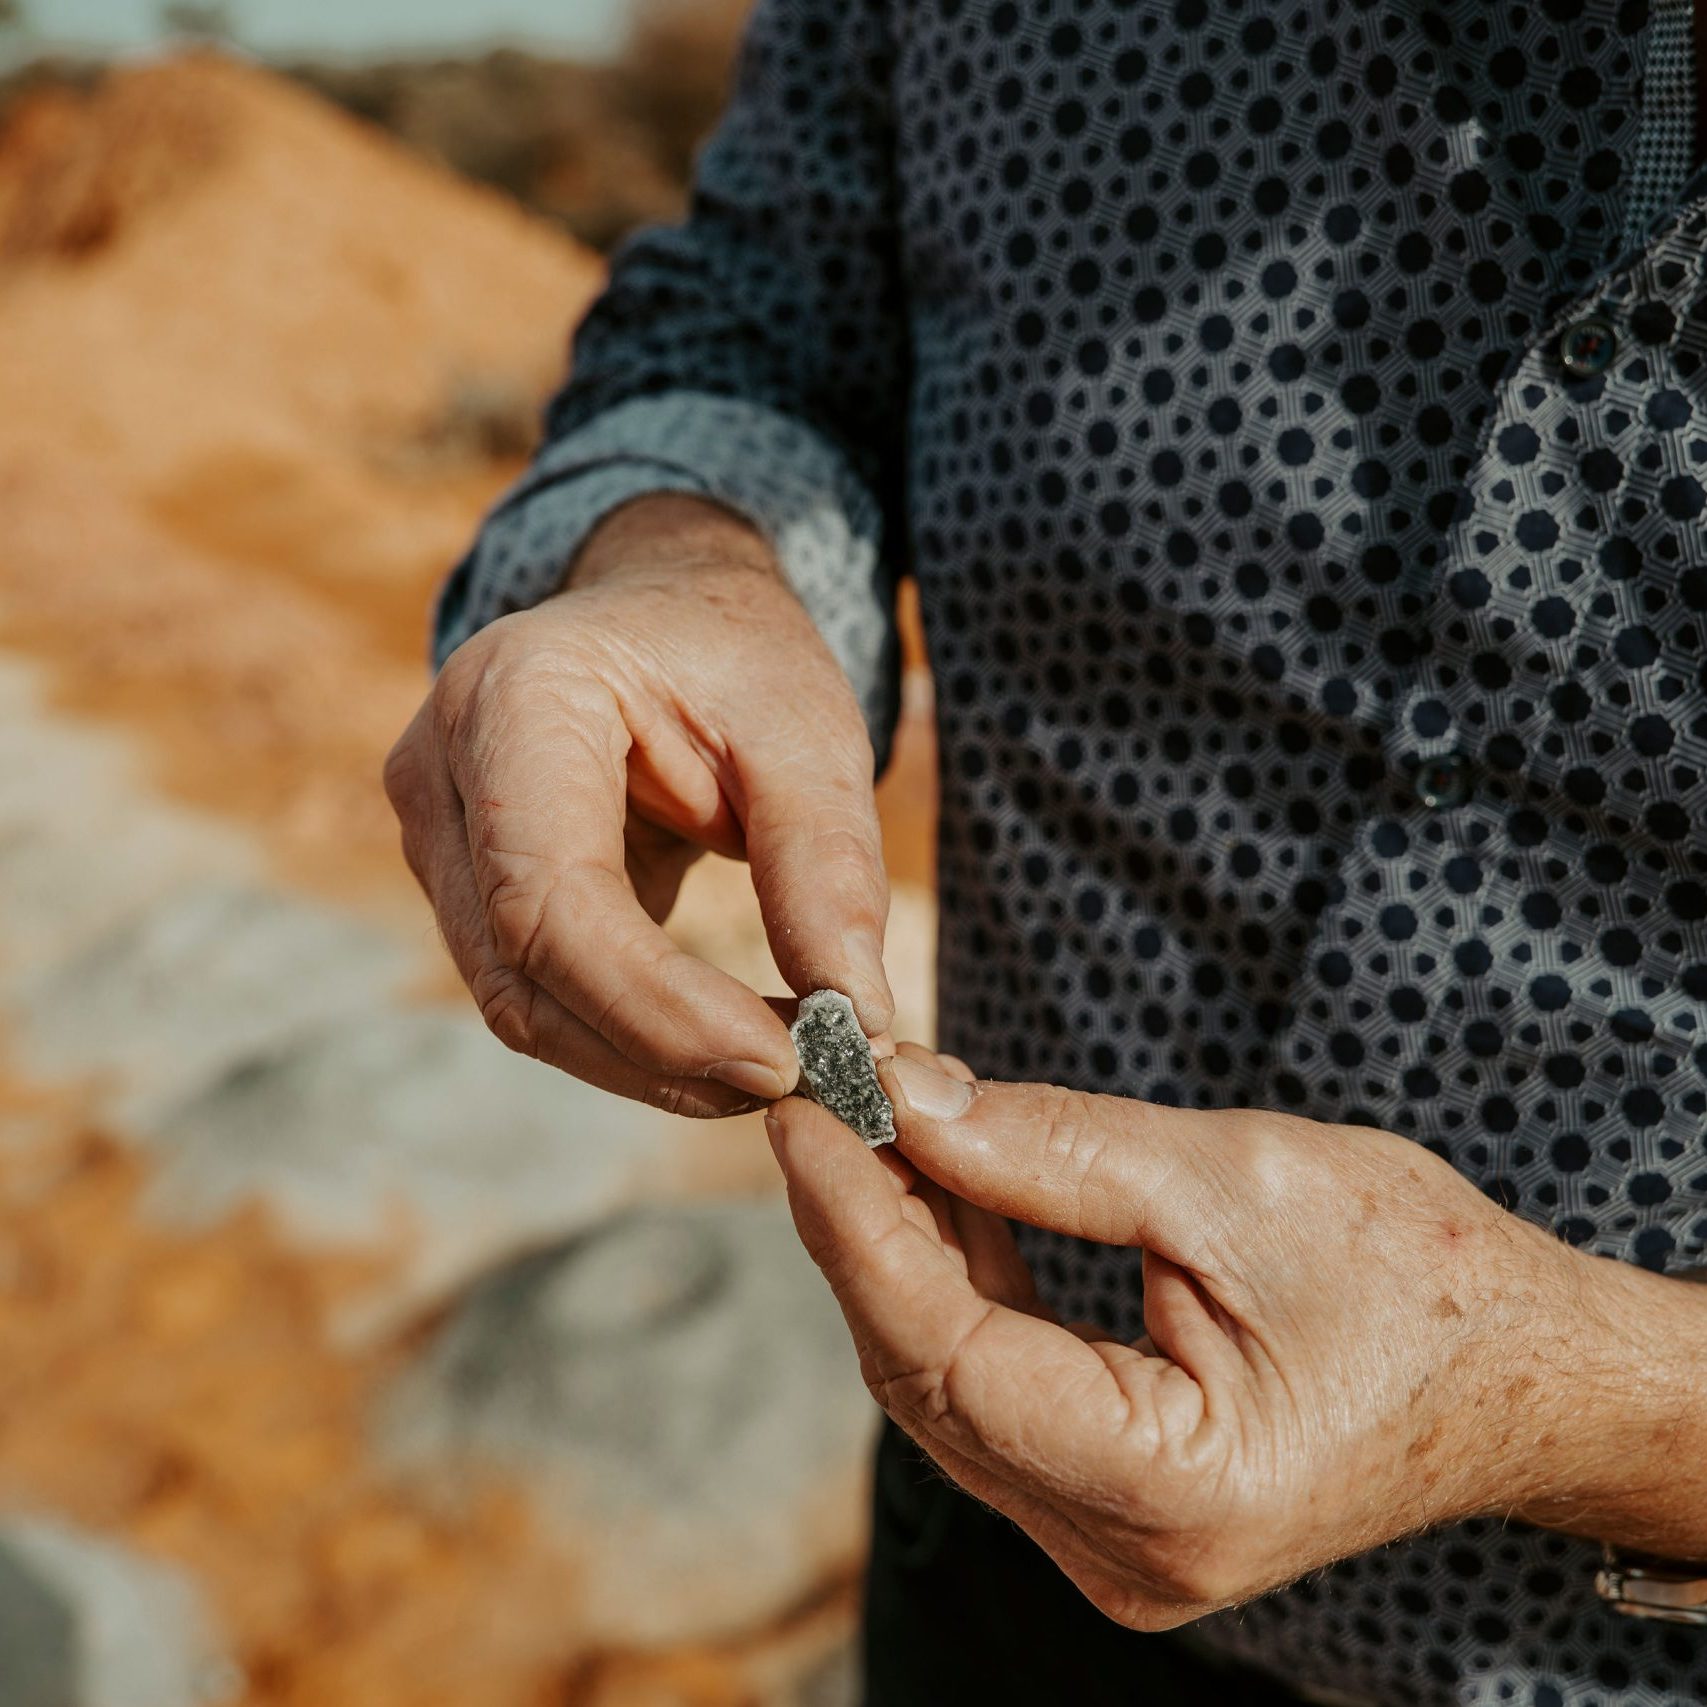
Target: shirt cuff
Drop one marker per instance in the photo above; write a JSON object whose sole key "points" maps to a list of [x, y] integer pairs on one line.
{"points": [[789, 482]]}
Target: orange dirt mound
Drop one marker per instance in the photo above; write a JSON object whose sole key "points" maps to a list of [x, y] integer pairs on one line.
{"points": [[268, 267], [260, 357], [76, 172], [257, 359], [242, 335]]}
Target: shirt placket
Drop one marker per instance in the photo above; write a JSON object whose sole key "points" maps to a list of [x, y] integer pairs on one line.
{"points": [[1516, 921]]}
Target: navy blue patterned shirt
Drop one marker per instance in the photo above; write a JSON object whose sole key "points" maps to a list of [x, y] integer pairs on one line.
{"points": [[1295, 416]]}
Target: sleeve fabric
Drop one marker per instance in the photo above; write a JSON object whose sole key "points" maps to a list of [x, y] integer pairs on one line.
{"points": [[754, 355]]}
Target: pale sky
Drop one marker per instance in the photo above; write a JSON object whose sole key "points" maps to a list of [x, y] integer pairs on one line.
{"points": [[581, 27]]}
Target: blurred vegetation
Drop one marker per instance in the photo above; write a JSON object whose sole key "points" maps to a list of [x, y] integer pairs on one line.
{"points": [[598, 148], [198, 20]]}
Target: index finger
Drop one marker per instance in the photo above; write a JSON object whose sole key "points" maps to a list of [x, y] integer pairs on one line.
{"points": [[816, 854], [545, 809]]}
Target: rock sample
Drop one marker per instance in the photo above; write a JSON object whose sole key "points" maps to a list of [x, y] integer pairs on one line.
{"points": [[676, 1393], [836, 1068], [87, 1623]]}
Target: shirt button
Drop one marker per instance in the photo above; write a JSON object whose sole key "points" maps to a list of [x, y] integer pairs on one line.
{"points": [[1444, 781], [1586, 347]]}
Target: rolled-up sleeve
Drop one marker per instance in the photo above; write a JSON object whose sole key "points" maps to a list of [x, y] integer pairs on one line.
{"points": [[754, 355]]}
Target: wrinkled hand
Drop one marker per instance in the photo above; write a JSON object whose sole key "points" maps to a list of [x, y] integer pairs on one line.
{"points": [[1345, 1341], [573, 760]]}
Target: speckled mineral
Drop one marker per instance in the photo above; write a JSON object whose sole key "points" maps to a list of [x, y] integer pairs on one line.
{"points": [[836, 1068]]}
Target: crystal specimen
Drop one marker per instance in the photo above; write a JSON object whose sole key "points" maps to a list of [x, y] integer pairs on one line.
{"points": [[836, 1068]]}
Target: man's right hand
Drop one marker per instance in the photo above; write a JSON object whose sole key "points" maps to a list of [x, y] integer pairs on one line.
{"points": [[573, 760]]}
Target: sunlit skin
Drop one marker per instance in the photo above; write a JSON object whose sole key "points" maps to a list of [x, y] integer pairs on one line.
{"points": [[571, 763], [1345, 1341]]}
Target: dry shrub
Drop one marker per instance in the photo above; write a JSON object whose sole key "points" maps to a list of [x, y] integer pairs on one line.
{"points": [[676, 72], [74, 168]]}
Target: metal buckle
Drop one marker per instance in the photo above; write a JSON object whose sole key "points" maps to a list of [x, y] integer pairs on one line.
{"points": [[1642, 1586]]}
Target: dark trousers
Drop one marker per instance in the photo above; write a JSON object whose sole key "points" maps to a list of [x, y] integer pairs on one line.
{"points": [[962, 1607]]}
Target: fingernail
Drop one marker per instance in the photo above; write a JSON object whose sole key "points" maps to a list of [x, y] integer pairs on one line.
{"points": [[753, 1077], [773, 1127], [926, 1091]]}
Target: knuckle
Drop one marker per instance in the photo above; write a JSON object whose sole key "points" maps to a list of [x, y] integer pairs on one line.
{"points": [[518, 920], [1074, 1142], [936, 1396], [846, 749], [1165, 1582], [1060, 1123], [842, 838], [401, 775], [820, 1245], [580, 695], [689, 1098], [830, 711], [845, 859], [1137, 1611], [459, 677], [416, 860], [1264, 1153], [625, 1023], [1149, 1609], [1213, 1574], [917, 1396], [505, 672], [508, 1005], [670, 1095], [1117, 1597]]}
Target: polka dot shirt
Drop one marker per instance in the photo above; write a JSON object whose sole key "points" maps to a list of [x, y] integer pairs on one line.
{"points": [[1295, 416]]}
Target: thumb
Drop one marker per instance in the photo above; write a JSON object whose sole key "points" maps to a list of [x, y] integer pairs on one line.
{"points": [[816, 854], [1108, 1169]]}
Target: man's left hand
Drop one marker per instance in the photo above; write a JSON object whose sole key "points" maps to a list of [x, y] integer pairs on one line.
{"points": [[1345, 1341]]}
